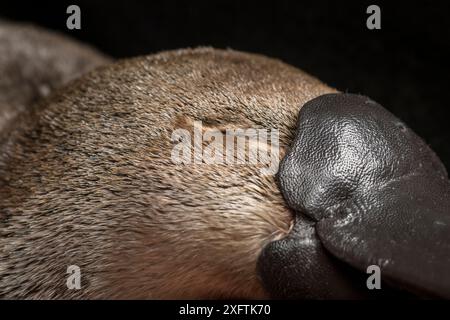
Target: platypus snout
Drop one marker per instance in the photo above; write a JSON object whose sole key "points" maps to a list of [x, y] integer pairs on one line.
{"points": [[369, 192], [88, 183]]}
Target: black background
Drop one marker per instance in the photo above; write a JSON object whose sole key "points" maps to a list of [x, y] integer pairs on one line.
{"points": [[404, 66]]}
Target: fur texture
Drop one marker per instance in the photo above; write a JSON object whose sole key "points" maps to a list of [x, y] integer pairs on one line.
{"points": [[33, 62], [87, 180]]}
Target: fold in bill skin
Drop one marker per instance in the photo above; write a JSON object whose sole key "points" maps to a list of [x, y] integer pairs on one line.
{"points": [[367, 191]]}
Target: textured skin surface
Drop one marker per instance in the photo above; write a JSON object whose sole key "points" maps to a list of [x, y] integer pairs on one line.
{"points": [[34, 62], [298, 267], [88, 180], [377, 195]]}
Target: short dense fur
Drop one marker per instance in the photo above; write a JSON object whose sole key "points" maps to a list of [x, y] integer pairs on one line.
{"points": [[33, 62], [87, 180]]}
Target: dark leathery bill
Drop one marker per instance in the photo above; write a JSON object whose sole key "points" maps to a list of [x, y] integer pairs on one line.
{"points": [[367, 191]]}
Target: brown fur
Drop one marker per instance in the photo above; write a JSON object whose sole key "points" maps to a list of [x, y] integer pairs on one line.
{"points": [[33, 62], [88, 180]]}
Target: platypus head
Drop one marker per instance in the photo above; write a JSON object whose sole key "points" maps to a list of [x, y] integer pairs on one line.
{"points": [[89, 179]]}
